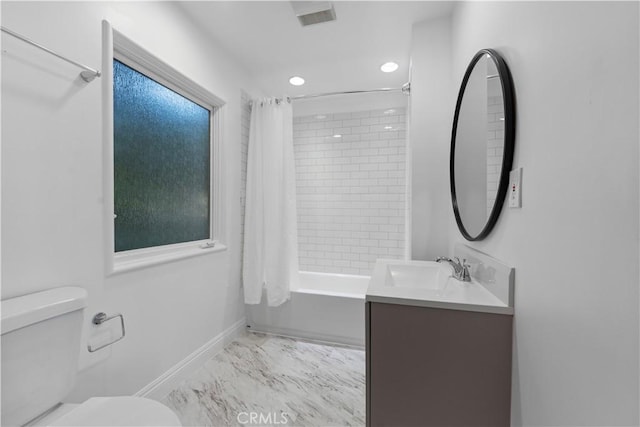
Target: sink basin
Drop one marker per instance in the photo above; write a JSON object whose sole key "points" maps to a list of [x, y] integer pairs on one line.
{"points": [[431, 284], [423, 275]]}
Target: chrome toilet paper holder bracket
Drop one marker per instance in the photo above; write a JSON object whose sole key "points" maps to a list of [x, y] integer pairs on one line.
{"points": [[101, 318]]}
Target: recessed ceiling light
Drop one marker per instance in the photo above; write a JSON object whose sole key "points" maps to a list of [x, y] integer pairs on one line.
{"points": [[321, 116], [337, 135], [388, 127], [296, 81], [391, 111], [389, 67]]}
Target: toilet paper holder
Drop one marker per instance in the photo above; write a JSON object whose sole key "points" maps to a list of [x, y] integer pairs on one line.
{"points": [[101, 318]]}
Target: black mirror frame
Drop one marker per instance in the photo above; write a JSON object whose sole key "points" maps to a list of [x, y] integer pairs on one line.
{"points": [[509, 142]]}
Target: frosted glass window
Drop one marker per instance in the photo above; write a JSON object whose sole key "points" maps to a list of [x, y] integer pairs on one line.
{"points": [[162, 144]]}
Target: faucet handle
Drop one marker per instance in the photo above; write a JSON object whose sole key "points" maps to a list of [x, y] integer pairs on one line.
{"points": [[466, 273]]}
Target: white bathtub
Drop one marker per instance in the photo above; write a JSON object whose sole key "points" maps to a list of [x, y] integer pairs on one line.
{"points": [[325, 307]]}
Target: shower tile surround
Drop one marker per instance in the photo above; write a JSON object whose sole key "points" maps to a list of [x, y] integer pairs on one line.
{"points": [[314, 384], [351, 189], [495, 146]]}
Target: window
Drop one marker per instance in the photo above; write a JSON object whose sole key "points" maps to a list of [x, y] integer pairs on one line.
{"points": [[162, 188], [161, 144]]}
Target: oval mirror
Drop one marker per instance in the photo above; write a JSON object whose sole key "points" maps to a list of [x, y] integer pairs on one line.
{"points": [[482, 141]]}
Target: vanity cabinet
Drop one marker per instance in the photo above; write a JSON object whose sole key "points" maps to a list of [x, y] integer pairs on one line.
{"points": [[437, 367]]}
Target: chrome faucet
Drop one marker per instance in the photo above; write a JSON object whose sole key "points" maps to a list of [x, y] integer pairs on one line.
{"points": [[460, 269]]}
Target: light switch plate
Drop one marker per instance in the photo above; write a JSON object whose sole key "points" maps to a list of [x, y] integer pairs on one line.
{"points": [[515, 188]]}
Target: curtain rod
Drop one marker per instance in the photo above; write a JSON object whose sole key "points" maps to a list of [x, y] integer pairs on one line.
{"points": [[87, 75], [406, 89]]}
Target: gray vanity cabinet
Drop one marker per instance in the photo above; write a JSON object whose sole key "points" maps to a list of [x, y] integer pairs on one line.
{"points": [[437, 367]]}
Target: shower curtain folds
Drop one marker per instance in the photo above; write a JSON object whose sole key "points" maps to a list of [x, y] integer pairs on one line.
{"points": [[271, 243]]}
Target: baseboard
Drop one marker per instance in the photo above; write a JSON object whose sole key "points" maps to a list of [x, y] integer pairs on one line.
{"points": [[310, 336], [159, 388]]}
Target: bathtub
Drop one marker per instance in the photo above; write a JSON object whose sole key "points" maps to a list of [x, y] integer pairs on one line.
{"points": [[325, 307]]}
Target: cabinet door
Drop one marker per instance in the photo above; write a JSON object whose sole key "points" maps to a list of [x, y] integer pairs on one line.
{"points": [[437, 367]]}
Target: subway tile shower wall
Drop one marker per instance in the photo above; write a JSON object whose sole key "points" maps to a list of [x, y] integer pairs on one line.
{"points": [[495, 147], [351, 189]]}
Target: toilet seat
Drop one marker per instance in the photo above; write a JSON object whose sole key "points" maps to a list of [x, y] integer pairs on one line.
{"points": [[118, 411]]}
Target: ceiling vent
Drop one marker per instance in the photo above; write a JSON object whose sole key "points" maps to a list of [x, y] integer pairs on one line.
{"points": [[313, 12]]}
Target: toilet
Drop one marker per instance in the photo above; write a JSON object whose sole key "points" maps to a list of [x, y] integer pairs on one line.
{"points": [[40, 348]]}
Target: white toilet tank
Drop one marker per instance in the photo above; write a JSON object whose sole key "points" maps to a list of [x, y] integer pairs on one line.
{"points": [[40, 348]]}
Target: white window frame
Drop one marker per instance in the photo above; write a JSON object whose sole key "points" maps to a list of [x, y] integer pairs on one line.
{"points": [[118, 46]]}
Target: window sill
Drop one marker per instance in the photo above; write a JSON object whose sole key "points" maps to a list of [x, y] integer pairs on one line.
{"points": [[131, 262]]}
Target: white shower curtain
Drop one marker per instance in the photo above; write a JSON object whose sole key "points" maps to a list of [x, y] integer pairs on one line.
{"points": [[270, 231]]}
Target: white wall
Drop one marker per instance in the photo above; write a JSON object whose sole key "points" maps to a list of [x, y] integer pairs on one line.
{"points": [[431, 108], [574, 243], [52, 181]]}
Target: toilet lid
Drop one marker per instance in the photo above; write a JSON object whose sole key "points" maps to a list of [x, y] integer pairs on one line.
{"points": [[119, 411]]}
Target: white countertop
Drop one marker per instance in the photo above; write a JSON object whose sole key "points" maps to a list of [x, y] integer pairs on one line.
{"points": [[454, 295]]}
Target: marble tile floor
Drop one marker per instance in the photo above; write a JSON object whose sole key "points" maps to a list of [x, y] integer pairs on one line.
{"points": [[289, 382]]}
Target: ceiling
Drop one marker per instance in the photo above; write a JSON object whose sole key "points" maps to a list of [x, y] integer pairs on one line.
{"points": [[345, 54]]}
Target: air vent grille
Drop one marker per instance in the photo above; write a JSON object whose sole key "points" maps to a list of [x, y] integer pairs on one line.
{"points": [[313, 12], [317, 17]]}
